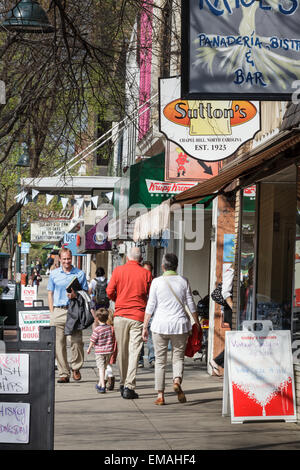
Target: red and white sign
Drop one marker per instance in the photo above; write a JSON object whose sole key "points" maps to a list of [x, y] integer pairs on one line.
{"points": [[30, 322], [163, 187], [28, 295], [259, 374]]}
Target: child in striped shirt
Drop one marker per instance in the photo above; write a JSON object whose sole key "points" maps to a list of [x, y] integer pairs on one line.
{"points": [[103, 340]]}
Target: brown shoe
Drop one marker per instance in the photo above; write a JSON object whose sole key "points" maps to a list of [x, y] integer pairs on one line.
{"points": [[63, 380], [76, 375], [180, 394], [160, 401]]}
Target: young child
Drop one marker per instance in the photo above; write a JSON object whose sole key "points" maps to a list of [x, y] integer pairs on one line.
{"points": [[103, 340], [109, 373]]}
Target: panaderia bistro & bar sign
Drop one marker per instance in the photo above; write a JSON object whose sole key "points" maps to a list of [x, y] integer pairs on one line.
{"points": [[238, 48]]}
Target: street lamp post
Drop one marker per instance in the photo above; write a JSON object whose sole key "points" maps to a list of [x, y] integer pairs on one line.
{"points": [[28, 17], [23, 162]]}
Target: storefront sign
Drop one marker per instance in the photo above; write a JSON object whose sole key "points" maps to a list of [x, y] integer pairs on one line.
{"points": [[30, 321], [206, 130], [247, 49], [163, 187], [96, 237], [259, 374]]}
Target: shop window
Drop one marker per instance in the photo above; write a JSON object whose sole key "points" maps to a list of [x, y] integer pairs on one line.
{"points": [[296, 283], [275, 248], [247, 250]]}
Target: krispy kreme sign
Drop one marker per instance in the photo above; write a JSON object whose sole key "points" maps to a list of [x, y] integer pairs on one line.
{"points": [[162, 187]]}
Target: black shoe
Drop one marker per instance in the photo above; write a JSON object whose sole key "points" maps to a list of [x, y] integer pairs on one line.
{"points": [[129, 394], [121, 389]]}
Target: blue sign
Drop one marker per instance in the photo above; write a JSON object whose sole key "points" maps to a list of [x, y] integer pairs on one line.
{"points": [[25, 248], [70, 240]]}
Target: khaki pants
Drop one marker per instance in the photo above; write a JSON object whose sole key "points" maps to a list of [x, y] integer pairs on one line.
{"points": [[160, 342], [129, 340], [58, 319]]}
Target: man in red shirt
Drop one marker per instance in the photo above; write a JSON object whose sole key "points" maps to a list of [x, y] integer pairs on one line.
{"points": [[129, 288]]}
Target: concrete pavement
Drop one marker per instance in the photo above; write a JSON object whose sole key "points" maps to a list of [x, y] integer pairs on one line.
{"points": [[86, 420]]}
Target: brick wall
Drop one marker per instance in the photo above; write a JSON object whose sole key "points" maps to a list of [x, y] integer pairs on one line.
{"points": [[226, 224]]}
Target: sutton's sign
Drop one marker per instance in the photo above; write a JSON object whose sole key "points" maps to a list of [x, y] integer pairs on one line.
{"points": [[206, 130]]}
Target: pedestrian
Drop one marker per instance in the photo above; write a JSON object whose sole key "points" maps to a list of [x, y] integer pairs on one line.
{"points": [[58, 300], [38, 265], [129, 288], [103, 340], [168, 296], [218, 362], [49, 263], [36, 279], [151, 356], [97, 290], [109, 373]]}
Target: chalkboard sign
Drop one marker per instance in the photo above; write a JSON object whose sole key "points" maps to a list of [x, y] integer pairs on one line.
{"points": [[27, 373], [259, 377]]}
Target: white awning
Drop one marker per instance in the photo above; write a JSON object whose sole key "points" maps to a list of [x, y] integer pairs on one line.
{"points": [[153, 223], [70, 184]]}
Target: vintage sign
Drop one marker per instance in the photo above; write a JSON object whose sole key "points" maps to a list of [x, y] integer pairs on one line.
{"points": [[238, 48], [259, 376], [52, 231], [206, 130]]}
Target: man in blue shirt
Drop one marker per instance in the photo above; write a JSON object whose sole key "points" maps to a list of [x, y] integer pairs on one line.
{"points": [[58, 300]]}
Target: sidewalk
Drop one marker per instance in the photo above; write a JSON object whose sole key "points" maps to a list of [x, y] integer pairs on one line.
{"points": [[86, 420]]}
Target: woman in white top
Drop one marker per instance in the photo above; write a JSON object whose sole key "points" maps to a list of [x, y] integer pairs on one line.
{"points": [[167, 297]]}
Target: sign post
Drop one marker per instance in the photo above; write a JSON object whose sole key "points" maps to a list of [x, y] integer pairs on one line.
{"points": [[258, 376]]}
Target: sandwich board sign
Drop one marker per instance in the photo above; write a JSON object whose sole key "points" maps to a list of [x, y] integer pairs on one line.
{"points": [[258, 377]]}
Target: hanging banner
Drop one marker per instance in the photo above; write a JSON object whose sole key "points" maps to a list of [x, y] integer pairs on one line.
{"points": [[259, 376], [234, 49], [206, 130]]}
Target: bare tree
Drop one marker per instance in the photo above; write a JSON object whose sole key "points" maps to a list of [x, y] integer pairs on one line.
{"points": [[56, 83]]}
